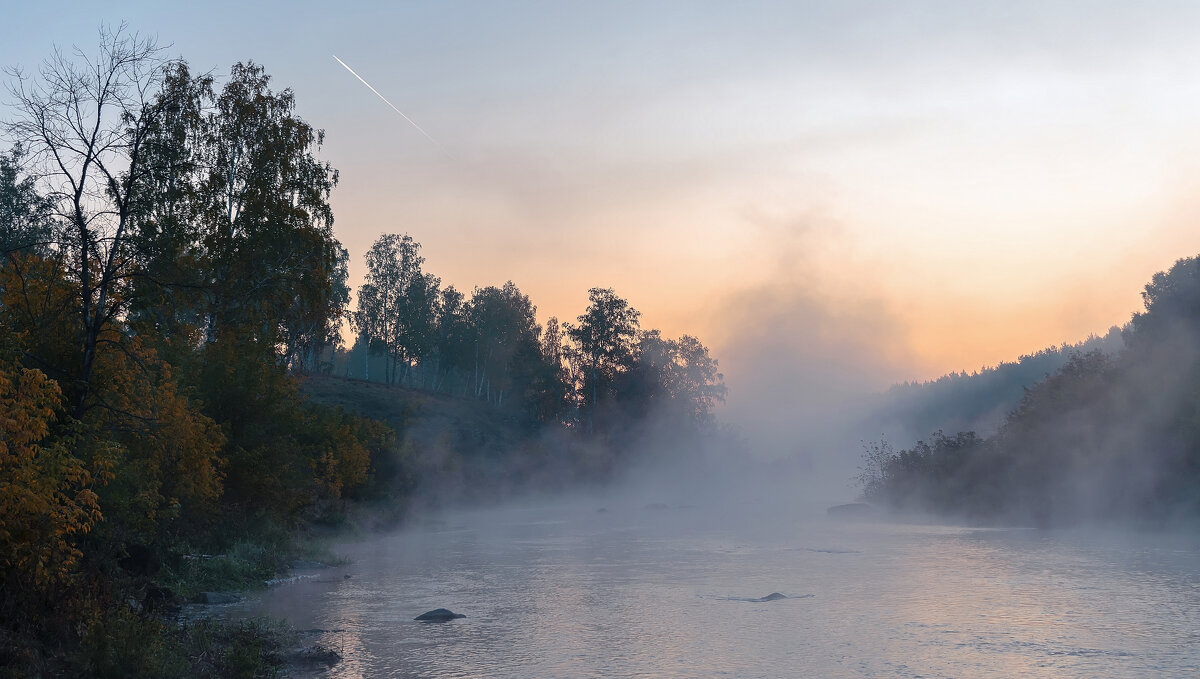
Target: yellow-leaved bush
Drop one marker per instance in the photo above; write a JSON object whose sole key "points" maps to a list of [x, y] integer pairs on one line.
{"points": [[46, 496]]}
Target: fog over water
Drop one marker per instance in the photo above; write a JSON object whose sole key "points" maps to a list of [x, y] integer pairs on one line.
{"points": [[639, 585], [672, 571]]}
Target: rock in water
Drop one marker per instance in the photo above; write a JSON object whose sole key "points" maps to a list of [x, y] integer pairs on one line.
{"points": [[438, 615], [773, 596]]}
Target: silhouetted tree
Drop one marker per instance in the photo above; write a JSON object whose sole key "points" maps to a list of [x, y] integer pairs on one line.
{"points": [[266, 197], [453, 345], [393, 263], [605, 337], [506, 334], [84, 123], [422, 299], [683, 372]]}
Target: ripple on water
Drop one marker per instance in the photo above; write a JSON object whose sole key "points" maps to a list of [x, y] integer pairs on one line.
{"points": [[575, 598]]}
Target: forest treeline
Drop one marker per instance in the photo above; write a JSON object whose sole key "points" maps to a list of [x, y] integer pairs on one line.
{"points": [[1106, 437], [976, 401], [169, 274], [586, 375]]}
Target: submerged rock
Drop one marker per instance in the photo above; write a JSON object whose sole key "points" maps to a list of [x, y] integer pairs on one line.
{"points": [[438, 615], [773, 596]]}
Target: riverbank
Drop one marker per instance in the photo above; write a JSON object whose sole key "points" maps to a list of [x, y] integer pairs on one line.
{"points": [[169, 623]]}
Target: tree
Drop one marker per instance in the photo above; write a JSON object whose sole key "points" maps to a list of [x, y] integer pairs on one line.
{"points": [[553, 378], [172, 273], [452, 348], [504, 324], [1172, 301], [696, 380], [25, 216], [84, 124], [605, 336], [47, 503], [393, 263], [269, 238], [678, 371], [234, 226], [420, 322]]}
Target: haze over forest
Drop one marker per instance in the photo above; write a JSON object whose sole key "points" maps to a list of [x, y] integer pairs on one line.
{"points": [[807, 162], [244, 299]]}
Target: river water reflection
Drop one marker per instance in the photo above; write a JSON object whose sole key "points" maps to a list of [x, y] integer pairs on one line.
{"points": [[578, 590]]}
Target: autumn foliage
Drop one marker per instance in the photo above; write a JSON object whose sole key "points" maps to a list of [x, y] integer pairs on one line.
{"points": [[47, 496], [168, 277], [167, 272]]}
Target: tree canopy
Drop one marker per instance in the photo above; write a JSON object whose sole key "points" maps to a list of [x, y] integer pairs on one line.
{"points": [[169, 278]]}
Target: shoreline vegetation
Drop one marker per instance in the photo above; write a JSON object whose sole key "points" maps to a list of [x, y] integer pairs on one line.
{"points": [[1111, 436], [176, 414], [180, 417]]}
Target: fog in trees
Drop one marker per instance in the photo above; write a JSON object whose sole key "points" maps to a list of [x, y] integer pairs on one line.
{"points": [[1108, 436], [595, 376], [176, 383]]}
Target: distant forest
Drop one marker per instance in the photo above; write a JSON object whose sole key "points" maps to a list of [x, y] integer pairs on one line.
{"points": [[587, 375], [1111, 435], [168, 276], [977, 401]]}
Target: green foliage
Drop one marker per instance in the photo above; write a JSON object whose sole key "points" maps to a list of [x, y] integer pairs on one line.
{"points": [[243, 564], [123, 643], [26, 224], [126, 644], [169, 266], [169, 277]]}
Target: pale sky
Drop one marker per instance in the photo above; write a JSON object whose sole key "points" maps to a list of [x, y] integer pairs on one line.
{"points": [[900, 189]]}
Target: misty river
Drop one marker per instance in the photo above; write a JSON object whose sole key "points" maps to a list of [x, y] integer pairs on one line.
{"points": [[628, 588]]}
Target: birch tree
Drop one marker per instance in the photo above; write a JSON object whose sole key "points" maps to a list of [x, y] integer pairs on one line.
{"points": [[393, 263]]}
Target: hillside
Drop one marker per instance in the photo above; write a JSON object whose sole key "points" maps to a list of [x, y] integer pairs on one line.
{"points": [[1107, 437], [977, 401]]}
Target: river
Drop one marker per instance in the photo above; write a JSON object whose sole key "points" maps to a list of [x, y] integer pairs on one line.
{"points": [[631, 589]]}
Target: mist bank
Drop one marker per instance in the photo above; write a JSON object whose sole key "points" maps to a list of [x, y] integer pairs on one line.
{"points": [[450, 451], [169, 273], [1107, 437]]}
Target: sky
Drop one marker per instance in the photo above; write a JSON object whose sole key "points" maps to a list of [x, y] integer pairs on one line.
{"points": [[836, 194]]}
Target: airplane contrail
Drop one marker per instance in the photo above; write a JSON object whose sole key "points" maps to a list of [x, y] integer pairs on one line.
{"points": [[410, 120]]}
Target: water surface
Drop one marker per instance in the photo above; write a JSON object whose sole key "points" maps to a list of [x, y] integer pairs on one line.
{"points": [[636, 590]]}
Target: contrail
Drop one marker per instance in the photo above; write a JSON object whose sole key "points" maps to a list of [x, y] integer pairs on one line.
{"points": [[410, 120]]}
